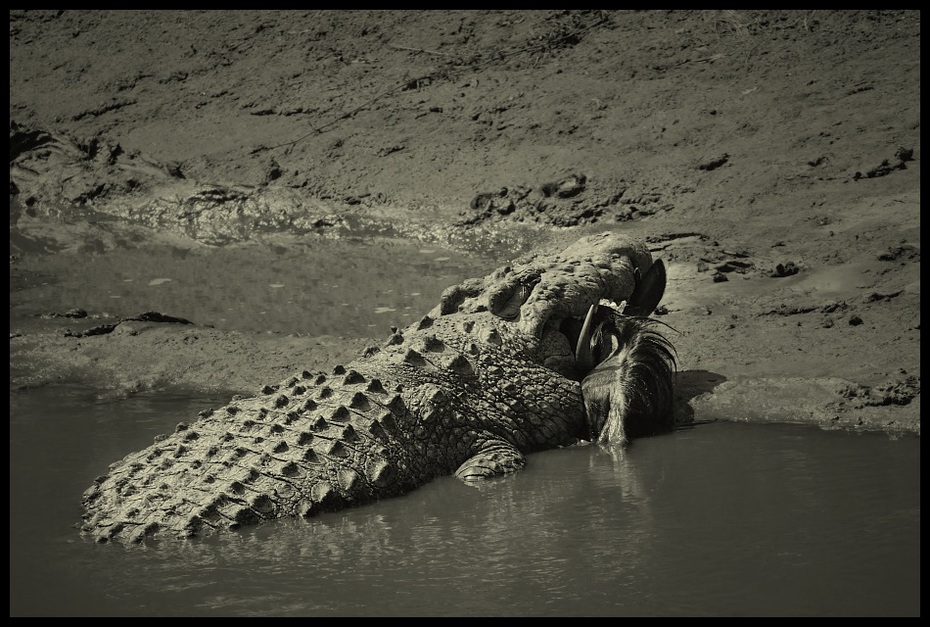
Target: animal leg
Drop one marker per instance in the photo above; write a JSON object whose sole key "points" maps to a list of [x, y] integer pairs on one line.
{"points": [[496, 458]]}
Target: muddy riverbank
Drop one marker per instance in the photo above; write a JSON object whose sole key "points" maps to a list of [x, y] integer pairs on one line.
{"points": [[771, 159]]}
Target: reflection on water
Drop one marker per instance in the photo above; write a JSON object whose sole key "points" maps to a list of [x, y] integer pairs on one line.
{"points": [[316, 287], [722, 519]]}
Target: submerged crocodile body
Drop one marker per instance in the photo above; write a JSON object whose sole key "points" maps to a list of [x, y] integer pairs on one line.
{"points": [[486, 377]]}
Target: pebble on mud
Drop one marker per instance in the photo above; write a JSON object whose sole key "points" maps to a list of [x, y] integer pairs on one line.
{"points": [[713, 164], [481, 200], [782, 270], [273, 171], [571, 185], [855, 320], [904, 154], [906, 251]]}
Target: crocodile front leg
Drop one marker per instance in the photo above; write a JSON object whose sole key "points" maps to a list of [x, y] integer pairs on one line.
{"points": [[496, 457]]}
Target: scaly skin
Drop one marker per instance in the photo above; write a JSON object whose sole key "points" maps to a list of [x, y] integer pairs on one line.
{"points": [[485, 378]]}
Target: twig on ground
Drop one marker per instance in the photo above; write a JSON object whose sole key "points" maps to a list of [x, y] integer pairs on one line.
{"points": [[444, 54]]}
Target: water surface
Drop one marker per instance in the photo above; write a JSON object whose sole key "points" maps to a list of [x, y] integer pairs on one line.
{"points": [[720, 519], [355, 287]]}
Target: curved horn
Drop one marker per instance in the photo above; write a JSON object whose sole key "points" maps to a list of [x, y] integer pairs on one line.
{"points": [[583, 348]]}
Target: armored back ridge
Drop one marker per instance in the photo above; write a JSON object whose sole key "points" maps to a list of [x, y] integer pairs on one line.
{"points": [[486, 377]]}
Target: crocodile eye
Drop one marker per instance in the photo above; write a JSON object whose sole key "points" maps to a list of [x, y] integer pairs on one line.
{"points": [[506, 301]]}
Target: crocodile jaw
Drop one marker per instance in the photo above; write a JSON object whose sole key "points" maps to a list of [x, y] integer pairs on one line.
{"points": [[568, 341]]}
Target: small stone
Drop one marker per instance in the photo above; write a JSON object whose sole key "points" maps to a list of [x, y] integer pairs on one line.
{"points": [[783, 270], [904, 154]]}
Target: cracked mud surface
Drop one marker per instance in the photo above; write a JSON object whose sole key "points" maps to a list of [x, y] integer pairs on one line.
{"points": [[771, 158]]}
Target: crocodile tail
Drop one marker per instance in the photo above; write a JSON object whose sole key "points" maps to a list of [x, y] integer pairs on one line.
{"points": [[629, 393], [312, 444]]}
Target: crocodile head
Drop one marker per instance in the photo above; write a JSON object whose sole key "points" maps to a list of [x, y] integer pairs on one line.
{"points": [[545, 296]]}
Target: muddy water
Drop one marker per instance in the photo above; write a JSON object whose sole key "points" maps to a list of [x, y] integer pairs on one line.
{"points": [[314, 286], [720, 519]]}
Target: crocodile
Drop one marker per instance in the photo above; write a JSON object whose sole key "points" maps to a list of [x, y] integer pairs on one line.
{"points": [[489, 375]]}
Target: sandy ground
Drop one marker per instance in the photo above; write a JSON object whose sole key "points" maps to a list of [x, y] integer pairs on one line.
{"points": [[771, 158]]}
